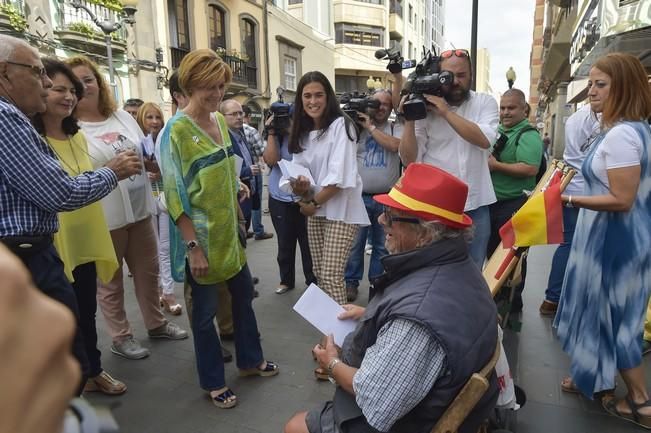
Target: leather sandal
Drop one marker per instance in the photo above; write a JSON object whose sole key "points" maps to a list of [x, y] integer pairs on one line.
{"points": [[270, 369], [644, 421], [225, 400]]}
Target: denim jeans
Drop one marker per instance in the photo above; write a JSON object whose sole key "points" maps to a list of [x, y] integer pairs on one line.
{"points": [[481, 222], [355, 266], [207, 348], [559, 261]]}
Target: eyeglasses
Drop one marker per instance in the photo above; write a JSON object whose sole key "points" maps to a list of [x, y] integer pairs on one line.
{"points": [[389, 218], [458, 53], [235, 114], [40, 71]]}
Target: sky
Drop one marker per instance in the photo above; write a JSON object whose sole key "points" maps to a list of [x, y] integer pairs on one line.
{"points": [[505, 29]]}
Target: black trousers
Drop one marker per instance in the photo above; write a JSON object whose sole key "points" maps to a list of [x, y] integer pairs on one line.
{"points": [[46, 269], [291, 226], [85, 287]]}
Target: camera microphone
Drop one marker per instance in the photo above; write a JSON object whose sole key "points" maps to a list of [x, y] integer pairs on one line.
{"points": [[381, 53]]}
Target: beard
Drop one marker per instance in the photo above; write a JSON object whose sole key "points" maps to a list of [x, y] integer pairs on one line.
{"points": [[457, 95]]}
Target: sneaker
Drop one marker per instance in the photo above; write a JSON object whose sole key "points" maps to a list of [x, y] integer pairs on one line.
{"points": [[105, 384], [263, 236], [646, 347], [282, 289], [168, 330], [130, 348], [351, 293]]}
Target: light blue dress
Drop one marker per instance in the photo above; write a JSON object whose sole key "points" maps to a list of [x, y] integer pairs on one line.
{"points": [[606, 287]]}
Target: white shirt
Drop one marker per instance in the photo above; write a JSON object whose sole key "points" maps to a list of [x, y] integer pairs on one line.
{"points": [[581, 129], [132, 200], [621, 147], [441, 146], [332, 160]]}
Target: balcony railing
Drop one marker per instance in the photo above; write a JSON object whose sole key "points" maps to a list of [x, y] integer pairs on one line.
{"points": [[243, 73], [78, 18], [177, 55]]}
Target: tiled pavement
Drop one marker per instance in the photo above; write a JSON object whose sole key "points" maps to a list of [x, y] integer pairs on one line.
{"points": [[164, 397]]}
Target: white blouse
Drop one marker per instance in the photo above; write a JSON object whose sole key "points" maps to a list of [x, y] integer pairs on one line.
{"points": [[332, 160]]}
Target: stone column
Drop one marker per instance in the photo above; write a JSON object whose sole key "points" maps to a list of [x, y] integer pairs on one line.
{"points": [[563, 111]]}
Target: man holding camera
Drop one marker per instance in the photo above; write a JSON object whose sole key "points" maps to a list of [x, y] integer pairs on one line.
{"points": [[378, 164], [456, 136]]}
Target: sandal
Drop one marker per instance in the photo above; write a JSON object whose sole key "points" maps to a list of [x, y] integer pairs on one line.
{"points": [[271, 369], [567, 385], [321, 374], [225, 400], [635, 417], [174, 309]]}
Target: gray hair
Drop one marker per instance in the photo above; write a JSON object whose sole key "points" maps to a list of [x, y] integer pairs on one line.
{"points": [[8, 45], [432, 231]]}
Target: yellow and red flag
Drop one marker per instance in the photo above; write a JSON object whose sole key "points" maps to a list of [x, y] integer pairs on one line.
{"points": [[539, 221]]}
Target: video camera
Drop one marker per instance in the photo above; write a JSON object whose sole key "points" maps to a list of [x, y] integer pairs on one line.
{"points": [[396, 62], [81, 417], [354, 103], [426, 79], [281, 112]]}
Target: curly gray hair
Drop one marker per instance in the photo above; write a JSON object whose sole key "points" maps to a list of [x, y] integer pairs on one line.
{"points": [[432, 231]]}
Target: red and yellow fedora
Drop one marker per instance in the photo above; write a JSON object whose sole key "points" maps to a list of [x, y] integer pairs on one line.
{"points": [[429, 193]]}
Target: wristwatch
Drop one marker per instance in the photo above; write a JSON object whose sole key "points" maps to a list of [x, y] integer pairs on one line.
{"points": [[190, 245]]}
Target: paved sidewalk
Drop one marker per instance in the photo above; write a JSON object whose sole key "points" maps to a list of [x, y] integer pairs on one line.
{"points": [[164, 396]]}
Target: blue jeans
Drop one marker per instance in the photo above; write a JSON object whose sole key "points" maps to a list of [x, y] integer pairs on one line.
{"points": [[559, 261], [481, 222], [256, 213], [207, 348], [355, 265]]}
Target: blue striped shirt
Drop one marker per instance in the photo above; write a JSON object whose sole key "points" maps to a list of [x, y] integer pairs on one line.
{"points": [[33, 186]]}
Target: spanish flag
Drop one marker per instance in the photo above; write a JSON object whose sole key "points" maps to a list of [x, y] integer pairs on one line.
{"points": [[539, 221]]}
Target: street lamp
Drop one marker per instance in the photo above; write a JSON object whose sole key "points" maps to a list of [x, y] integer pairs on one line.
{"points": [[109, 26], [510, 77]]}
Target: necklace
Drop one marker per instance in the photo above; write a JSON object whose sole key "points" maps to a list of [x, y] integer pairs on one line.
{"points": [[63, 161]]}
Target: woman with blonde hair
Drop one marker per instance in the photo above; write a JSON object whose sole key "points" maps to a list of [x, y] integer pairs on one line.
{"points": [[201, 190], [151, 121], [128, 211], [608, 277]]}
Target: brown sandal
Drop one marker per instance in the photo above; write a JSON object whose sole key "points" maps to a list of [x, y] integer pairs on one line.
{"points": [[644, 421]]}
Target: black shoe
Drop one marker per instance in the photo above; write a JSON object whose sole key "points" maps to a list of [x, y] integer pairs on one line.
{"points": [[227, 355], [249, 235], [264, 236], [255, 280], [255, 293], [351, 293]]}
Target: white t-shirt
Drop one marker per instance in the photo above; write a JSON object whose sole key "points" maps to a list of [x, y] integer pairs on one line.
{"points": [[581, 129], [132, 200], [331, 160], [621, 147], [441, 146]]}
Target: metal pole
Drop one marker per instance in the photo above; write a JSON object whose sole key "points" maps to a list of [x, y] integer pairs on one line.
{"points": [[473, 43], [109, 55]]}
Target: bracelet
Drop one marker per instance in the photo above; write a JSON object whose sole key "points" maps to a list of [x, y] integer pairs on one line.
{"points": [[569, 201], [331, 366]]}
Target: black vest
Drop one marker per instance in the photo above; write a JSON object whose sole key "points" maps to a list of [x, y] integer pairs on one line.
{"points": [[441, 288]]}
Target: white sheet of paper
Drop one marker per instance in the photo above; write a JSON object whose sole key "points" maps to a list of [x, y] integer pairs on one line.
{"points": [[321, 311], [238, 164], [291, 170]]}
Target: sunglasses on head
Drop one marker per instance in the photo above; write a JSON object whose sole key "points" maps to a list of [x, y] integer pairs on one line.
{"points": [[389, 218], [458, 53]]}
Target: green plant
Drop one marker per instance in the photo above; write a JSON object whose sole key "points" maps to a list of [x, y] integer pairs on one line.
{"points": [[83, 28], [114, 5], [16, 18]]}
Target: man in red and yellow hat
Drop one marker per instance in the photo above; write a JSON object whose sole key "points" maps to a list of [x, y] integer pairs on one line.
{"points": [[430, 326]]}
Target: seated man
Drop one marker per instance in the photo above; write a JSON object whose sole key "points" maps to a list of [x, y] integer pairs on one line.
{"points": [[430, 326]]}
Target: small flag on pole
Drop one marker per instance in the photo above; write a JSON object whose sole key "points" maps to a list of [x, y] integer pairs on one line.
{"points": [[539, 221]]}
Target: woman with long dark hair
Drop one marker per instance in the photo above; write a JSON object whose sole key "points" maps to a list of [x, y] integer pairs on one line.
{"points": [[323, 139], [83, 240]]}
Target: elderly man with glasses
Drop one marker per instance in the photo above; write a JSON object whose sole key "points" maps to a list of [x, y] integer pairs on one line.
{"points": [[429, 327], [33, 186], [456, 136]]}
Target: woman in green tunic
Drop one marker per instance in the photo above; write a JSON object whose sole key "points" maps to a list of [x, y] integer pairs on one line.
{"points": [[201, 189]]}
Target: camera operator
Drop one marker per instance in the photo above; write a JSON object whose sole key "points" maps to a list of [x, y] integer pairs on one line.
{"points": [[378, 164], [456, 136]]}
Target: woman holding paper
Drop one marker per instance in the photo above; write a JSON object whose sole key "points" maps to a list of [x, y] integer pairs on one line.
{"points": [[201, 191], [151, 121], [608, 277], [323, 140]]}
